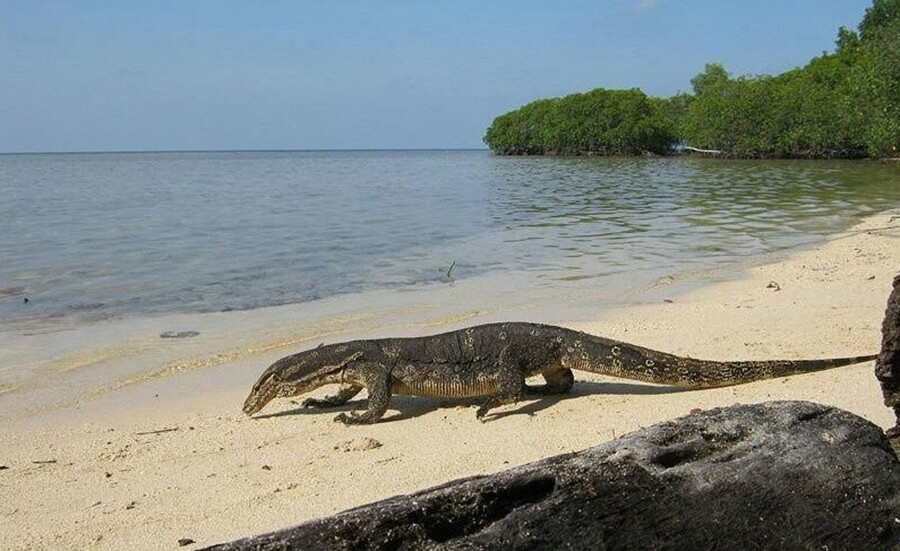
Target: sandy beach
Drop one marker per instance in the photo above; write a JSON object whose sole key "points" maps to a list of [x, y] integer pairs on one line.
{"points": [[170, 456]]}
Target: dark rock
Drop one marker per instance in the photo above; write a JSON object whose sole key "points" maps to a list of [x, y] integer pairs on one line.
{"points": [[178, 334], [781, 475], [887, 366]]}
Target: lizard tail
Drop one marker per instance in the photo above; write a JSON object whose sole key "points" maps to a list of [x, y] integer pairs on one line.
{"points": [[691, 373], [643, 364]]}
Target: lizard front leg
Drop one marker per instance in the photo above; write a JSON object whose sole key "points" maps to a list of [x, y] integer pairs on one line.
{"points": [[345, 393], [379, 397]]}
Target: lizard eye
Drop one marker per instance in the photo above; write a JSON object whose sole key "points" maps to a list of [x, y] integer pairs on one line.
{"points": [[271, 379]]}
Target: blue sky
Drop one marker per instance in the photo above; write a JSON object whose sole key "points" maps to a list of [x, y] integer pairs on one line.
{"points": [[173, 75]]}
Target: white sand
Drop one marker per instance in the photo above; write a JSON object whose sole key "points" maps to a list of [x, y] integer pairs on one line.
{"points": [[218, 475]]}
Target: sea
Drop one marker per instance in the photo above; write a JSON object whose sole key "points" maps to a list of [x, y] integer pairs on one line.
{"points": [[91, 243]]}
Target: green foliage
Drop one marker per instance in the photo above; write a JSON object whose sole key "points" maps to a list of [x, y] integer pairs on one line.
{"points": [[877, 81], [802, 113], [845, 104], [713, 76], [599, 122], [882, 14], [675, 109]]}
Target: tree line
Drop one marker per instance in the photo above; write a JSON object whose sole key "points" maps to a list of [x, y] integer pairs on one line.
{"points": [[844, 104]]}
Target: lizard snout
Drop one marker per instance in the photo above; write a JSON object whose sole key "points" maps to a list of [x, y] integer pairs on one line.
{"points": [[262, 394]]}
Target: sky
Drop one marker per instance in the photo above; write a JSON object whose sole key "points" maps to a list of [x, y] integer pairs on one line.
{"points": [[351, 74]]}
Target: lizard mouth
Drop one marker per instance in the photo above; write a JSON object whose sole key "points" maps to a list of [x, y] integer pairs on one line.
{"points": [[250, 408]]}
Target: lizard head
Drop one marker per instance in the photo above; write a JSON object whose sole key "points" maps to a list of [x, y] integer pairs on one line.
{"points": [[298, 374]]}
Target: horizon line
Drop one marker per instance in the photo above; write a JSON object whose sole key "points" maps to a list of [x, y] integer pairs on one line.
{"points": [[323, 150]]}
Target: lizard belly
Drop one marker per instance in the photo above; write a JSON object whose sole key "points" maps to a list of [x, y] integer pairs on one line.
{"points": [[441, 387]]}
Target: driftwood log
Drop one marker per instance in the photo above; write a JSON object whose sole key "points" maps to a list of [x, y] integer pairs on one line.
{"points": [[780, 475], [887, 366], [705, 151]]}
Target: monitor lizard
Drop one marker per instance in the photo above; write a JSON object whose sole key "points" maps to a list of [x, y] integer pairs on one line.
{"points": [[493, 361]]}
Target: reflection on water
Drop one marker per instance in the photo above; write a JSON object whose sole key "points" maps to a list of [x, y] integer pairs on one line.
{"points": [[672, 214], [89, 237]]}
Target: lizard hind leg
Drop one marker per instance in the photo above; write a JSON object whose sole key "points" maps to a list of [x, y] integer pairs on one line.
{"points": [[559, 381]]}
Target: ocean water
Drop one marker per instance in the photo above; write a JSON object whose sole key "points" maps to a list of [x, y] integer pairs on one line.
{"points": [[91, 237]]}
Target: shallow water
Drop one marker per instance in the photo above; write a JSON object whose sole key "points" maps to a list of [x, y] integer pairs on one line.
{"points": [[90, 237]]}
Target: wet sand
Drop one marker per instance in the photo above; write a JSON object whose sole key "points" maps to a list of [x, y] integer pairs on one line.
{"points": [[164, 453]]}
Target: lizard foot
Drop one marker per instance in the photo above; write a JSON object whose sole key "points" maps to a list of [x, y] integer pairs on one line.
{"points": [[354, 419], [317, 403], [494, 402]]}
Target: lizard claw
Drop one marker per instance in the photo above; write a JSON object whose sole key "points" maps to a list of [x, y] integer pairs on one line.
{"points": [[342, 418], [315, 403], [354, 419]]}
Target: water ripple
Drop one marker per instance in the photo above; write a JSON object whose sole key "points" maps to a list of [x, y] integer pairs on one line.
{"points": [[103, 236]]}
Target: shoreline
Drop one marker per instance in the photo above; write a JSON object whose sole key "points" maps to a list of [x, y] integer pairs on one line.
{"points": [[170, 457], [58, 369], [47, 369]]}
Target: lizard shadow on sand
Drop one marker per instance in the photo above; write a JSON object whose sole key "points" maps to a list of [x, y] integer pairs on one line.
{"points": [[535, 403], [414, 406]]}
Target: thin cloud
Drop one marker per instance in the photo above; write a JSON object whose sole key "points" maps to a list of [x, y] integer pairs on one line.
{"points": [[645, 5]]}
